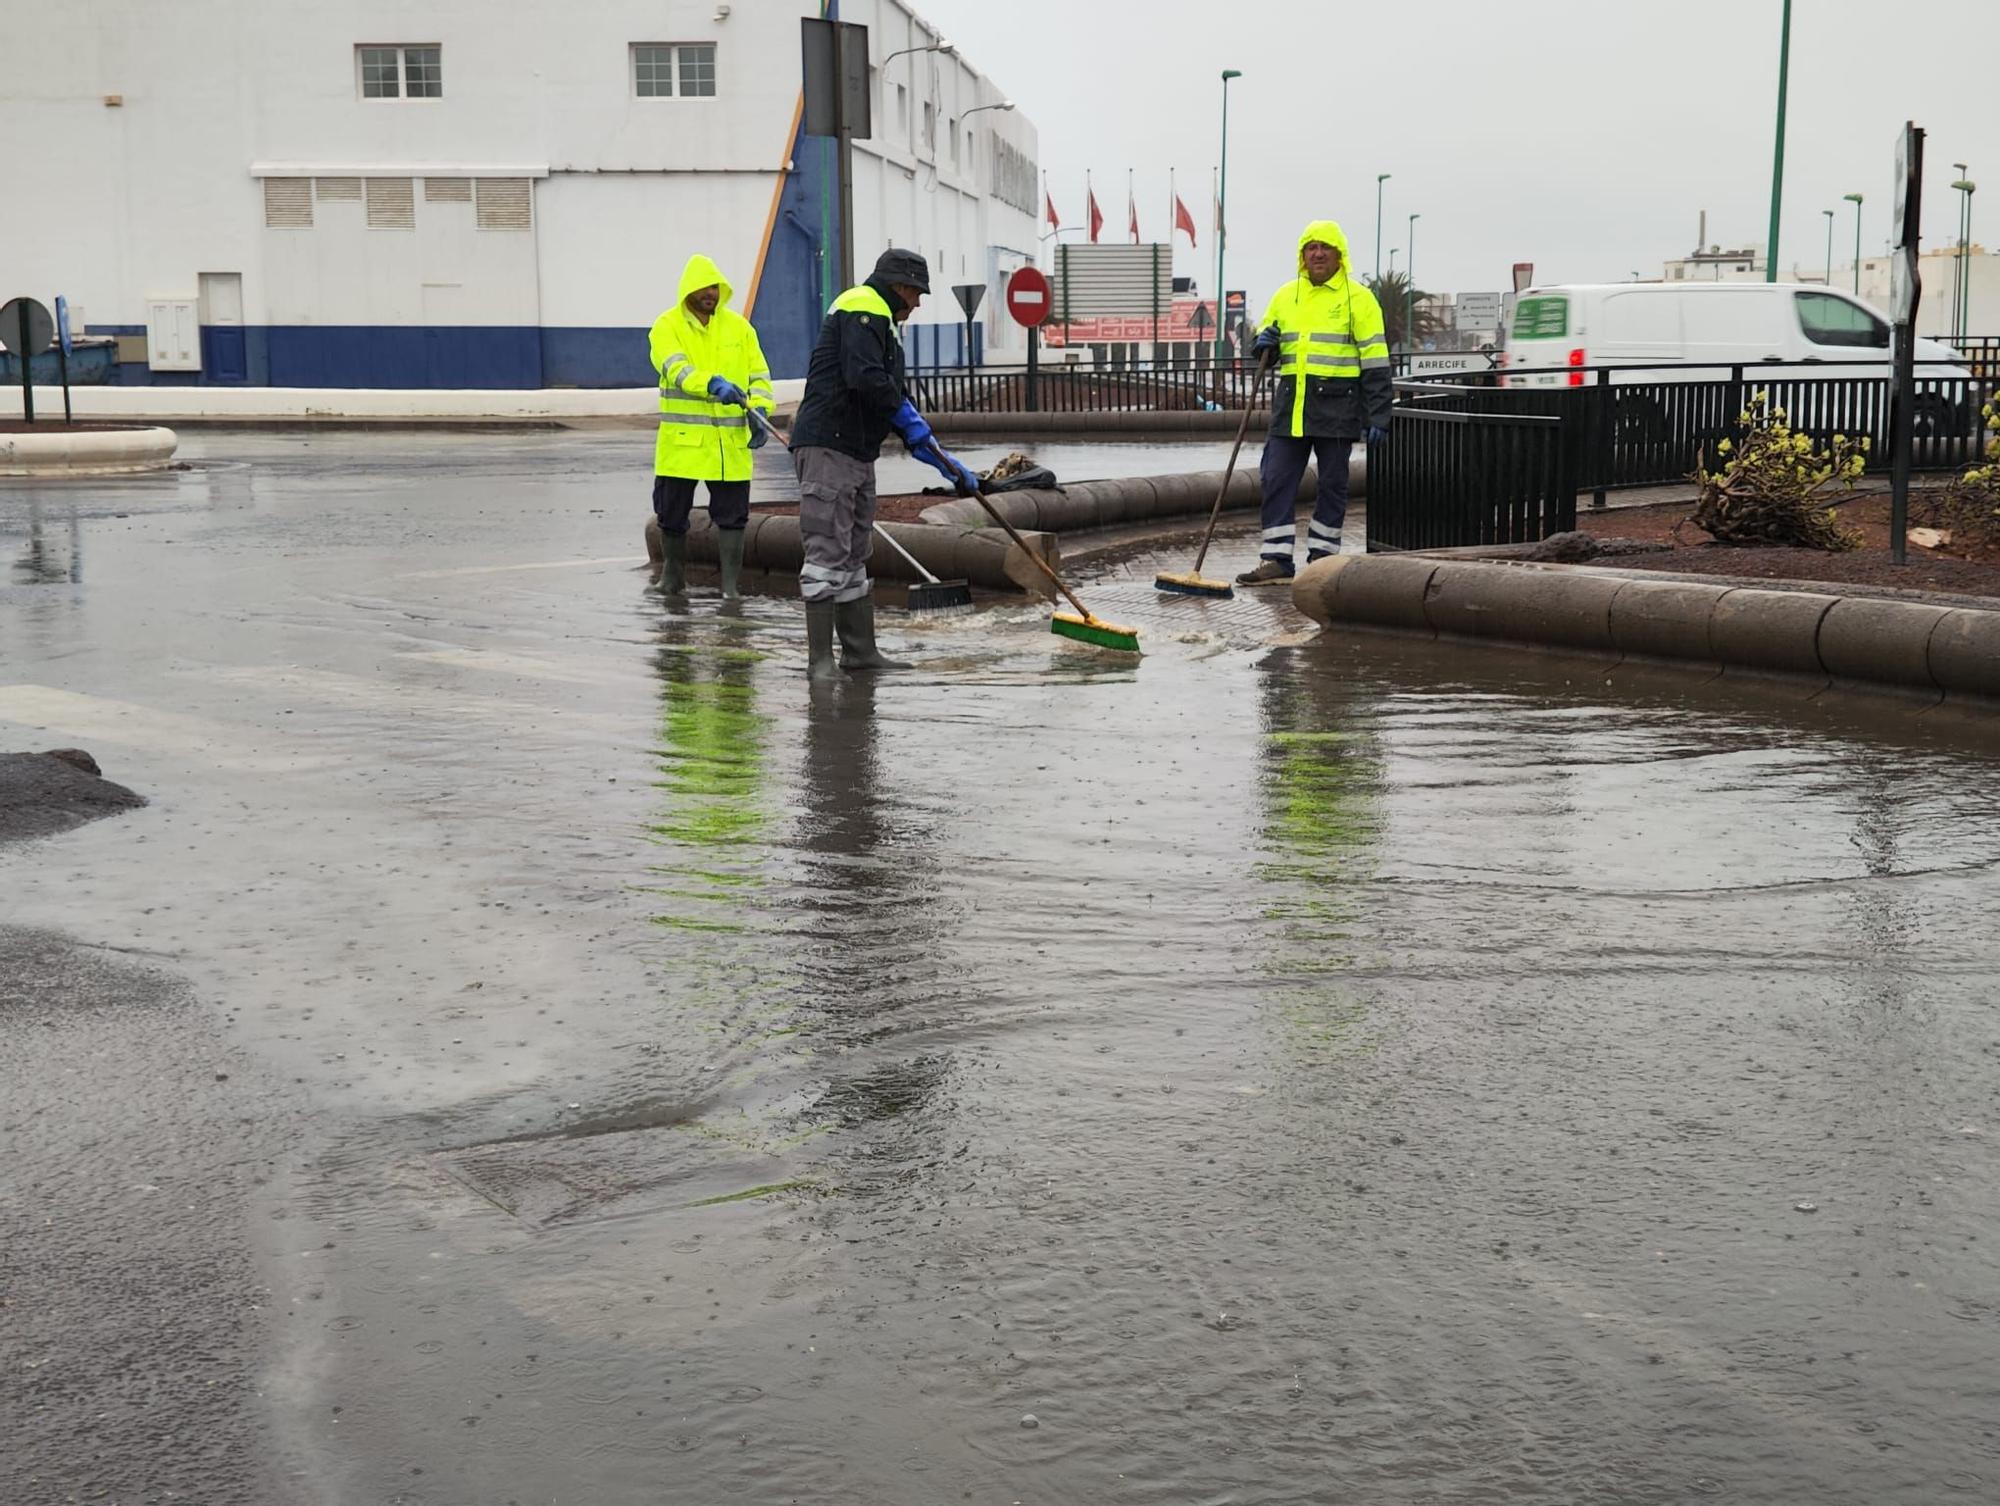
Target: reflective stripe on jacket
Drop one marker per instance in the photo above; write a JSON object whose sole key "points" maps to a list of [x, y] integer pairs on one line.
{"points": [[700, 439], [854, 381], [1333, 374]]}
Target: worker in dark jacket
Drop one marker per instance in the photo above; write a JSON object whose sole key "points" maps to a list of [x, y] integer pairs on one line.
{"points": [[1324, 333], [854, 400]]}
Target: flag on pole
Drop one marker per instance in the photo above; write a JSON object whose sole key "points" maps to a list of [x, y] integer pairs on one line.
{"points": [[1049, 209], [1183, 220], [1096, 215], [1132, 217]]}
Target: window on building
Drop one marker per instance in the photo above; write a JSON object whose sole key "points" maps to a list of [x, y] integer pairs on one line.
{"points": [[951, 130], [400, 72], [903, 112], [665, 70], [503, 204], [391, 204], [930, 125], [288, 203]]}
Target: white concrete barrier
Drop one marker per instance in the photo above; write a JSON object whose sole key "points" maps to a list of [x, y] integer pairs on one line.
{"points": [[58, 451], [263, 404]]}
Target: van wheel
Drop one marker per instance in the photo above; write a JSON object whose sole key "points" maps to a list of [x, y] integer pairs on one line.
{"points": [[1638, 420]]}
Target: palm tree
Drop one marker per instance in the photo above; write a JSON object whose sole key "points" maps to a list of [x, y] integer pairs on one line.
{"points": [[1392, 291]]}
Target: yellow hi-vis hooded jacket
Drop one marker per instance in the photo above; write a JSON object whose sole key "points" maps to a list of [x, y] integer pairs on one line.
{"points": [[699, 439], [1334, 380]]}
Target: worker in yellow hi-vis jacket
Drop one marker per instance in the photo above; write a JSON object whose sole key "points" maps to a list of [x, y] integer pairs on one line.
{"points": [[1324, 332], [711, 369]]}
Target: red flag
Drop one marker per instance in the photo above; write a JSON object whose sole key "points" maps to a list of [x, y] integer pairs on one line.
{"points": [[1132, 216], [1183, 220], [1096, 215], [1049, 208]]}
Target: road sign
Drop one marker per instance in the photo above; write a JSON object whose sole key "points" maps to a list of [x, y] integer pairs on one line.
{"points": [[1200, 320], [968, 295], [62, 324], [1028, 297], [32, 338], [1524, 276]]}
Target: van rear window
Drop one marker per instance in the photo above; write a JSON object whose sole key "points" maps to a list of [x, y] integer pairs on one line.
{"points": [[1541, 318]]}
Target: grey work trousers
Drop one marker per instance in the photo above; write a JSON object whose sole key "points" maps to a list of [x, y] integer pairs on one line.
{"points": [[836, 521]]}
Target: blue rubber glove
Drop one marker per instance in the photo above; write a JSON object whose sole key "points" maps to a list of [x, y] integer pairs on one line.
{"points": [[722, 390], [760, 429], [910, 424], [1265, 346], [1377, 435], [947, 465]]}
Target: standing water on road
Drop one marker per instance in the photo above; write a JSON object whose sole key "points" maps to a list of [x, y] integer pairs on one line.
{"points": [[1283, 1067]]}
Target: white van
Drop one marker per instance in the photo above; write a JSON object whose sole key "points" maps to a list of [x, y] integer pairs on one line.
{"points": [[1668, 325]]}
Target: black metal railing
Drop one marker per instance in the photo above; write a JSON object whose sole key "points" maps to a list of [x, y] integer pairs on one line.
{"points": [[1638, 426], [1455, 474], [1061, 388], [1981, 352]]}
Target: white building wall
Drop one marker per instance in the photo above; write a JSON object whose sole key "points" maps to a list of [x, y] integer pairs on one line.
{"points": [[137, 198]]}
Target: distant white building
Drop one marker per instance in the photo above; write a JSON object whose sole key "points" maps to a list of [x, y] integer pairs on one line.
{"points": [[478, 193]]}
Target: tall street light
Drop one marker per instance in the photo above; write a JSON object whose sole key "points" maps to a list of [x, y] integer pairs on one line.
{"points": [[1380, 179], [1855, 200], [1829, 246], [1964, 310], [1410, 289], [1778, 152], [1222, 215]]}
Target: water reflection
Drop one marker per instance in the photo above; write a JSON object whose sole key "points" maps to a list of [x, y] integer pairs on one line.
{"points": [[868, 936], [50, 554], [1320, 779]]}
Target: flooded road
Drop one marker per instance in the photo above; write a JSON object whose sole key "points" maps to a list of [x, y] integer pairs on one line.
{"points": [[1282, 1068]]}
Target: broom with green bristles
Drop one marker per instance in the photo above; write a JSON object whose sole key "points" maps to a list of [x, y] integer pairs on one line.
{"points": [[1194, 583], [1086, 626]]}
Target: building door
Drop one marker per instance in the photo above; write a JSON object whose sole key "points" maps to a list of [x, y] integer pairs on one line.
{"points": [[225, 355]]}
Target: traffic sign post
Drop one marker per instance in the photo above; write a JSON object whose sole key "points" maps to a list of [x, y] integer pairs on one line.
{"points": [[62, 352], [27, 328], [1028, 302], [968, 295], [1907, 290]]}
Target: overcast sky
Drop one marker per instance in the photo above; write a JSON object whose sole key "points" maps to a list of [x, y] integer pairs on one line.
{"points": [[1584, 136]]}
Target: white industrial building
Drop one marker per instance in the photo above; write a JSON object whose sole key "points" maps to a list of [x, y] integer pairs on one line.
{"points": [[479, 193]]}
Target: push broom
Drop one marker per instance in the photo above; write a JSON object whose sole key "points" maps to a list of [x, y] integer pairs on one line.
{"points": [[1085, 626], [934, 596], [1194, 583]]}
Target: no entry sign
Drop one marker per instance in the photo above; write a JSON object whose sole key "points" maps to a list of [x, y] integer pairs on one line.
{"points": [[1028, 297]]}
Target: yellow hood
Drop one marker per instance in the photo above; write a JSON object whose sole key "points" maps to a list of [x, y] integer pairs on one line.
{"points": [[1330, 232], [699, 273]]}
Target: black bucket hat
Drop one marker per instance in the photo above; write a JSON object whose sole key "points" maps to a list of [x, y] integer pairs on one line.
{"points": [[907, 267]]}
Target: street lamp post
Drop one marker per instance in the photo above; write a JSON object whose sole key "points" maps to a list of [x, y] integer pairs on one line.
{"points": [[1410, 289], [1380, 179], [1855, 200], [1778, 152], [1962, 303], [1222, 217], [1829, 246]]}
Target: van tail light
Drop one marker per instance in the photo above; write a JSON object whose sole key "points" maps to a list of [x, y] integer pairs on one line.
{"points": [[1576, 361], [1500, 365]]}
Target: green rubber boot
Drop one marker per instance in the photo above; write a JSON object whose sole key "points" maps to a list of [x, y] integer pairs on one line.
{"points": [[673, 565], [855, 622], [729, 550], [820, 664]]}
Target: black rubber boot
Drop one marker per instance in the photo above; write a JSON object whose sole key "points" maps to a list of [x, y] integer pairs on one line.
{"points": [[673, 566], [729, 550], [820, 664], [855, 621]]}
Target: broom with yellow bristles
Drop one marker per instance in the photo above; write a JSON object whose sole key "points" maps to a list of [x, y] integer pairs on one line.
{"points": [[1194, 583], [1085, 626]]}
